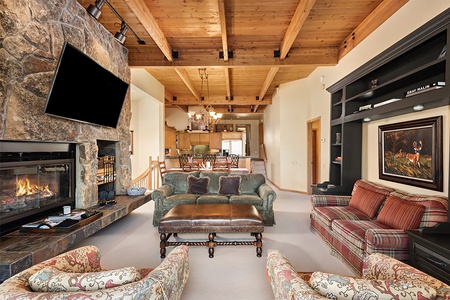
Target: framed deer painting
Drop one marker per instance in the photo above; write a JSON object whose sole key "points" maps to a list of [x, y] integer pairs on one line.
{"points": [[411, 153]]}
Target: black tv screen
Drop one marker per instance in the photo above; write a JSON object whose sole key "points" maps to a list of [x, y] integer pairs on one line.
{"points": [[82, 90]]}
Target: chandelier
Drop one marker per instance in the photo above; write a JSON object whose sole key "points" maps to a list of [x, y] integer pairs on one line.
{"points": [[204, 118]]}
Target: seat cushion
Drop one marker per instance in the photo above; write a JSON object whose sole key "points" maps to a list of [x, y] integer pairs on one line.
{"points": [[212, 198], [50, 279], [326, 214], [176, 199], [401, 214], [353, 233], [252, 199]]}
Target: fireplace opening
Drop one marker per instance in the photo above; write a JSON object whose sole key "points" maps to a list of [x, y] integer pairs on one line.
{"points": [[36, 179]]}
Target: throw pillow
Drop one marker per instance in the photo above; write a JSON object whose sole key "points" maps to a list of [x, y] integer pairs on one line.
{"points": [[197, 185], [53, 280], [229, 185], [366, 201], [401, 214], [348, 288]]}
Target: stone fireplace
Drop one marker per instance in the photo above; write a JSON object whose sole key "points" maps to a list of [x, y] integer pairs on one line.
{"points": [[32, 33]]}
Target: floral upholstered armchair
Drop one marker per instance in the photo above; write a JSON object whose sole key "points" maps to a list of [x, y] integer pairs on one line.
{"points": [[77, 274], [383, 278]]}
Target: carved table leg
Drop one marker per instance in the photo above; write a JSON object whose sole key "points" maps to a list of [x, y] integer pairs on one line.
{"points": [[162, 245], [258, 236], [211, 244]]}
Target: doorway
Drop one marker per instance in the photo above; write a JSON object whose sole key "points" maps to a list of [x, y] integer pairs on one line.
{"points": [[314, 141]]}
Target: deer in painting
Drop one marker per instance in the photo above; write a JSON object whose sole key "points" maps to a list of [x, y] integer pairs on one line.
{"points": [[414, 157]]}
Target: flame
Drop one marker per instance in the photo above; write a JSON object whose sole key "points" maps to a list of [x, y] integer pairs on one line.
{"points": [[25, 187]]}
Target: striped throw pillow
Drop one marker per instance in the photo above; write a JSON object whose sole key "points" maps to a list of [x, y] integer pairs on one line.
{"points": [[401, 214], [366, 201]]}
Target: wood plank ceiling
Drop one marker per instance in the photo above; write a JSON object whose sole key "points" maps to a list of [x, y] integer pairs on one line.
{"points": [[248, 47]]}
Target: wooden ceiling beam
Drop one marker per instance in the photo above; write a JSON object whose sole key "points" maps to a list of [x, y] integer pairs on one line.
{"points": [[238, 100], [227, 82], [299, 18], [143, 14], [144, 56], [269, 78], [188, 82], [377, 17], [223, 28]]}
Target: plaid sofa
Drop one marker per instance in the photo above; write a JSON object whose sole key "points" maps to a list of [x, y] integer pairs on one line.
{"points": [[373, 220]]}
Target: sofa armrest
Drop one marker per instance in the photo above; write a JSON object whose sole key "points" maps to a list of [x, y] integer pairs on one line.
{"points": [[387, 239], [169, 278], [329, 200], [267, 194], [379, 266], [285, 281], [160, 193]]}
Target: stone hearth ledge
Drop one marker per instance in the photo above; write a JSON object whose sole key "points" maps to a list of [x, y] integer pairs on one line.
{"points": [[21, 250]]}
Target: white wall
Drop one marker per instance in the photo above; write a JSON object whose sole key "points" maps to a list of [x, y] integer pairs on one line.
{"points": [[285, 131], [176, 117], [147, 120]]}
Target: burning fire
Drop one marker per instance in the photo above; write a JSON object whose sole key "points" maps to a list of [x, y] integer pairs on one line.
{"points": [[25, 187]]}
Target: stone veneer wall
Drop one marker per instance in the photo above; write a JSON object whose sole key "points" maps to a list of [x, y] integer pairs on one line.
{"points": [[32, 33]]}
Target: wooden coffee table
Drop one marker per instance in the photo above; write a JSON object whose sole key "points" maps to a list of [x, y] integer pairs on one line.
{"points": [[211, 219]]}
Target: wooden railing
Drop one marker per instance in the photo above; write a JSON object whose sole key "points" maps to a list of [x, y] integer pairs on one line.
{"points": [[150, 178]]}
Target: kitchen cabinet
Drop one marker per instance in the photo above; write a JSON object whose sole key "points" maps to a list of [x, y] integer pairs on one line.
{"points": [[184, 141], [199, 138], [215, 140], [231, 135], [378, 90], [170, 139]]}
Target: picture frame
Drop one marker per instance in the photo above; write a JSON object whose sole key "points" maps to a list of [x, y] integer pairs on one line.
{"points": [[411, 153]]}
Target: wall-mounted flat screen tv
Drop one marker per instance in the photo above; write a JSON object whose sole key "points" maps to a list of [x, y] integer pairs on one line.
{"points": [[82, 90]]}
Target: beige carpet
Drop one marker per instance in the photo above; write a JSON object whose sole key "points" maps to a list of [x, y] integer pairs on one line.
{"points": [[235, 272]]}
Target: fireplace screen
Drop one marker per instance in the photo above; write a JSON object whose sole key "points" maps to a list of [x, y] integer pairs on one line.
{"points": [[27, 187]]}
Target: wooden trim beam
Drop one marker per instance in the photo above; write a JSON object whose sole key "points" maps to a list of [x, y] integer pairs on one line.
{"points": [[301, 13], [223, 28], [377, 17], [142, 12], [146, 56], [227, 83], [270, 76], [214, 101], [188, 82]]}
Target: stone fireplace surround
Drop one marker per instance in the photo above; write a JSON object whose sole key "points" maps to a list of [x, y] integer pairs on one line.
{"points": [[32, 33]]}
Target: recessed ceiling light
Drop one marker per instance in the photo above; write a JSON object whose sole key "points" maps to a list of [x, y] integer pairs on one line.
{"points": [[367, 119], [418, 107]]}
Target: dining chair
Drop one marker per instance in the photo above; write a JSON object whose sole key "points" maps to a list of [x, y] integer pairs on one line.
{"points": [[234, 160]]}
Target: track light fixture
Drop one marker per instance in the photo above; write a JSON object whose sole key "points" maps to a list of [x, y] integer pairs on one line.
{"points": [[120, 35], [95, 11]]}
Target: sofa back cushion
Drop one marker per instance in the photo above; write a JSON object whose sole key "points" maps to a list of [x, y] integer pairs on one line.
{"points": [[339, 287], [401, 214], [213, 180], [368, 197], [178, 181], [251, 182], [436, 207]]}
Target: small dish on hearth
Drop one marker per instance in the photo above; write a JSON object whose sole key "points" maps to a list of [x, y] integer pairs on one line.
{"points": [[136, 191]]}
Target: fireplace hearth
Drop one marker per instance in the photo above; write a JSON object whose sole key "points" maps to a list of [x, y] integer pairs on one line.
{"points": [[35, 179]]}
